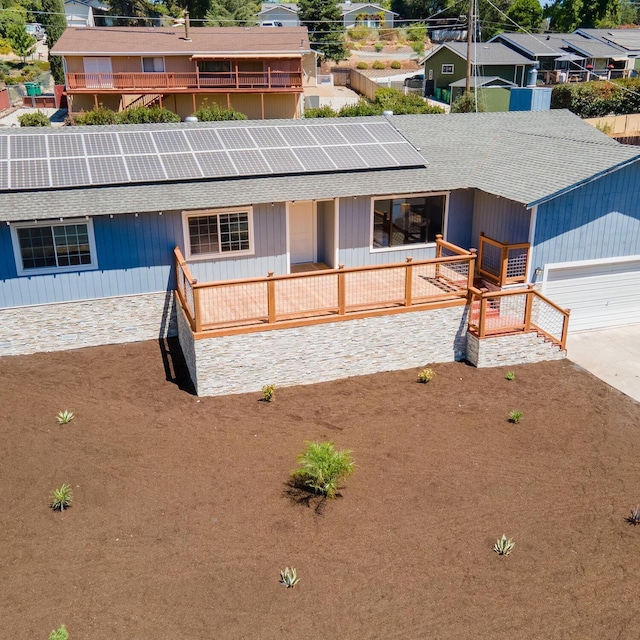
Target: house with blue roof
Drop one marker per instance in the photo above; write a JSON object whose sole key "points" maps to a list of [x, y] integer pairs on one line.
{"points": [[290, 252]]}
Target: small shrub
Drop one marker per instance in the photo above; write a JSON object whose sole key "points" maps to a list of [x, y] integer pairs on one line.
{"points": [[510, 375], [359, 32], [65, 417], [59, 634], [145, 115], [417, 32], [515, 416], [426, 375], [322, 468], [61, 498], [396, 64], [378, 46], [634, 517], [379, 65], [269, 392], [5, 47], [37, 119], [362, 65], [98, 116], [504, 547], [361, 108], [418, 47], [214, 112], [325, 111], [289, 577]]}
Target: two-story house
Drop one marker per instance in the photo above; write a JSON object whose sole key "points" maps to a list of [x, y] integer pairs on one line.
{"points": [[259, 72]]}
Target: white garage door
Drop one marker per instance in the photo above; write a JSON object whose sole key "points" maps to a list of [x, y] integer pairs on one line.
{"points": [[599, 294]]}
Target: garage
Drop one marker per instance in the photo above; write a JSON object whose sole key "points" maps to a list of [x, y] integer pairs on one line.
{"points": [[600, 293]]}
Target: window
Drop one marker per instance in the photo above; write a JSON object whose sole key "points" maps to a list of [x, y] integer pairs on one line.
{"points": [[214, 66], [49, 248], [153, 65], [399, 222], [211, 233], [447, 69]]}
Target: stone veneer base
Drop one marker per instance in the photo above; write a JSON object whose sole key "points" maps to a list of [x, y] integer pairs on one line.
{"points": [[519, 348]]}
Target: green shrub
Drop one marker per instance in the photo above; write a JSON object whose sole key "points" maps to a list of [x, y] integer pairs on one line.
{"points": [[361, 108], [322, 468], [214, 112], [379, 65], [320, 112], [37, 119], [417, 32], [426, 375], [597, 98], [5, 47], [61, 498], [59, 634], [359, 32], [362, 65], [378, 46], [98, 116], [30, 72], [5, 69], [144, 115], [515, 416], [394, 100], [269, 392], [396, 64], [510, 375], [466, 103], [418, 47]]}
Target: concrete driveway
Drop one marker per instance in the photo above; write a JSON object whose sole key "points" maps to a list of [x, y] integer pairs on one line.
{"points": [[613, 355]]}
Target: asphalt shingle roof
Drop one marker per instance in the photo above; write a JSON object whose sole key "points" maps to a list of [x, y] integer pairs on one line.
{"points": [[536, 45], [487, 53], [523, 156]]}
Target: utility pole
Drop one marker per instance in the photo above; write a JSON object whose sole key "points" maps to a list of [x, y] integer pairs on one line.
{"points": [[470, 29]]}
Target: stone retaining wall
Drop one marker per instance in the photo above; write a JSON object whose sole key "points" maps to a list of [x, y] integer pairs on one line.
{"points": [[520, 348], [87, 323]]}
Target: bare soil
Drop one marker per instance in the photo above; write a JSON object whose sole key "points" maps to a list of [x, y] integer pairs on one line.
{"points": [[183, 518]]}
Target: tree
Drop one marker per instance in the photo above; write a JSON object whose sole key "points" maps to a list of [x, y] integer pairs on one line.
{"points": [[564, 15], [232, 13], [323, 19], [466, 103], [21, 42], [527, 14], [139, 10], [567, 15], [54, 23]]}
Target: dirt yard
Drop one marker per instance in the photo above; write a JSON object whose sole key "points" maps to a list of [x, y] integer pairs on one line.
{"points": [[183, 519]]}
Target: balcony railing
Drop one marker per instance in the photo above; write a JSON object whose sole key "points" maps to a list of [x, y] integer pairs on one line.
{"points": [[316, 296], [517, 310], [503, 263], [226, 81]]}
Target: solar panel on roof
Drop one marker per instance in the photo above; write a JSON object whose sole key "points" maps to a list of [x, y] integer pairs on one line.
{"points": [[327, 134], [64, 146], [137, 142], [29, 174], [282, 160], [215, 164], [181, 166], [267, 137], [345, 157], [4, 148], [297, 136], [101, 144], [404, 153], [314, 159], [375, 155], [355, 133], [383, 132], [4, 175], [203, 140], [170, 141], [108, 170], [249, 162], [236, 139], [26, 147], [69, 172], [145, 168]]}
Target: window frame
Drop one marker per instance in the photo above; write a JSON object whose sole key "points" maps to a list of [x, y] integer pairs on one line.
{"points": [[200, 213], [164, 63], [417, 245], [448, 66], [53, 270]]}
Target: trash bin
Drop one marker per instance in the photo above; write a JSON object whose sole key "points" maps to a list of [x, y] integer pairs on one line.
{"points": [[33, 88], [438, 94]]}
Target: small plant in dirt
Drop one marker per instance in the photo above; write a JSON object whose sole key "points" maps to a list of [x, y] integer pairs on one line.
{"points": [[269, 392], [289, 577], [504, 547], [362, 65], [396, 64], [378, 46], [510, 375], [65, 417], [59, 634], [322, 468], [61, 498], [426, 375], [634, 517], [515, 416], [379, 65]]}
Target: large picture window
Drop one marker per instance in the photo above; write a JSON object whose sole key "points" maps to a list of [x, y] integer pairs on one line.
{"points": [[48, 248], [219, 232], [401, 222]]}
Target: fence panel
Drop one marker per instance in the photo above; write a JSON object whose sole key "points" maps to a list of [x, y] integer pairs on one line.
{"points": [[299, 297]]}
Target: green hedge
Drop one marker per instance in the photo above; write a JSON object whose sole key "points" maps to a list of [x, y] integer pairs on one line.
{"points": [[598, 98], [135, 115]]}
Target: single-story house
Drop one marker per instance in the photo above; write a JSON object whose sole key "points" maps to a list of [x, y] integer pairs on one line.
{"points": [[285, 14], [293, 251], [353, 13], [494, 93], [447, 63], [82, 13]]}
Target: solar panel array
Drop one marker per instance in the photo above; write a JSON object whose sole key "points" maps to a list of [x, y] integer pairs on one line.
{"points": [[72, 159]]}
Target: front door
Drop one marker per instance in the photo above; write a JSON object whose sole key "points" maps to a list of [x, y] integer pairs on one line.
{"points": [[302, 232]]}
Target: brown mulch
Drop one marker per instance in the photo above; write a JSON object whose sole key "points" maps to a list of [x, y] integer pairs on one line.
{"points": [[183, 518]]}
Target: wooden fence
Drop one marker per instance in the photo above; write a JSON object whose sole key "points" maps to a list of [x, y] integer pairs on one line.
{"points": [[617, 125], [503, 263]]}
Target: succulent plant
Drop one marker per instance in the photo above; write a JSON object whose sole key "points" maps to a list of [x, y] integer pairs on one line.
{"points": [[515, 416], [269, 392], [634, 517], [426, 375], [504, 547], [61, 498], [65, 417], [289, 577], [510, 375]]}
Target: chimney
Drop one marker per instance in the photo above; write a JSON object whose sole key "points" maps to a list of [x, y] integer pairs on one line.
{"points": [[187, 26]]}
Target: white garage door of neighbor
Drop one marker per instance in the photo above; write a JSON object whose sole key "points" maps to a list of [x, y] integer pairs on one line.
{"points": [[600, 294]]}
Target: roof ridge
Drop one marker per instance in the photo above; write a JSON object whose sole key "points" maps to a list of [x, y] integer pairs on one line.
{"points": [[604, 141]]}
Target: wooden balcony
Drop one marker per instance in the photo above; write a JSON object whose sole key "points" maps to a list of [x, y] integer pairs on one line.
{"points": [[502, 263], [233, 81], [256, 304]]}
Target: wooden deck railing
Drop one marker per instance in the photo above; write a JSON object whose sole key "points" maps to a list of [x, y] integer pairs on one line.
{"points": [[503, 263], [183, 81], [313, 296], [517, 310]]}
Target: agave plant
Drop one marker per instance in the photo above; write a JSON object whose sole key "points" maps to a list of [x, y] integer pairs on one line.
{"points": [[61, 498], [65, 417], [504, 547], [515, 416], [426, 375], [634, 517], [289, 577]]}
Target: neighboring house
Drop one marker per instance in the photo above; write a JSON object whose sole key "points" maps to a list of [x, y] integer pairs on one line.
{"points": [[365, 13], [494, 93], [627, 41], [90, 218], [82, 13], [447, 63], [260, 72]]}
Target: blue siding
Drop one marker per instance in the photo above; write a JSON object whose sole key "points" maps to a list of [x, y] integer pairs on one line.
{"points": [[499, 218], [460, 218], [599, 220]]}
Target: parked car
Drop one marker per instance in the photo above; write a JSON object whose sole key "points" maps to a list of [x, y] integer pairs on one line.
{"points": [[271, 23], [415, 82], [36, 30]]}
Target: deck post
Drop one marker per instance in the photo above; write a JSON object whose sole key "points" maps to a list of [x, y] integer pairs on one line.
{"points": [[271, 298], [504, 265], [193, 99], [408, 282], [95, 101], [565, 329], [528, 307], [196, 309], [262, 104], [342, 297], [481, 319], [438, 246], [472, 268]]}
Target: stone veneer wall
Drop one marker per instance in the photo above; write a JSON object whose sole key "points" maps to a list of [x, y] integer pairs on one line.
{"points": [[87, 323], [520, 348], [317, 353], [187, 344]]}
